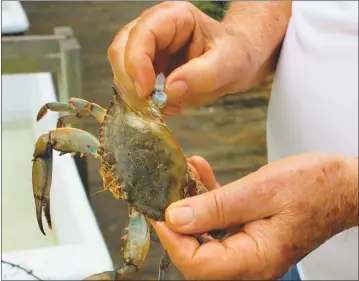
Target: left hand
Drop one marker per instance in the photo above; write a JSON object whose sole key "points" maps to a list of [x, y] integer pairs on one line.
{"points": [[285, 209]]}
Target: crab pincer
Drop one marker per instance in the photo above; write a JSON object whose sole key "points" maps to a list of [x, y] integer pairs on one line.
{"points": [[65, 140], [41, 179]]}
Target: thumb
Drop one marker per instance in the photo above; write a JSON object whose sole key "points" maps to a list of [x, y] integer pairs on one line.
{"points": [[237, 203], [197, 82]]}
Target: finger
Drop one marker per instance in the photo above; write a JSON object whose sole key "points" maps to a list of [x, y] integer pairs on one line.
{"points": [[179, 247], [184, 251], [172, 109], [204, 171], [232, 259], [248, 199], [200, 80], [194, 171], [207, 76], [116, 54], [172, 241], [162, 28]]}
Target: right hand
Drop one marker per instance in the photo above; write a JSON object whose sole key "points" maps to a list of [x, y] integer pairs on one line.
{"points": [[200, 58], [277, 215]]}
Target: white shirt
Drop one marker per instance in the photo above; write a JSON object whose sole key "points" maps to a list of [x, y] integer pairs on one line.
{"points": [[314, 107]]}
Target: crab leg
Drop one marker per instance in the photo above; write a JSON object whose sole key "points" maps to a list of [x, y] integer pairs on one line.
{"points": [[164, 264], [153, 235], [67, 119], [165, 261], [137, 243], [78, 108], [66, 140], [135, 249]]}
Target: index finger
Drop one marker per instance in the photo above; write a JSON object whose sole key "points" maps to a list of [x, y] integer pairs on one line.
{"points": [[204, 172], [116, 55], [230, 259], [163, 28]]}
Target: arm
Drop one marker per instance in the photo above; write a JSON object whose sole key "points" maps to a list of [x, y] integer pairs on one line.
{"points": [[345, 200], [265, 24]]}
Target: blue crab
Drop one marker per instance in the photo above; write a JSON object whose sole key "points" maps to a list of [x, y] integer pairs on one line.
{"points": [[141, 163]]}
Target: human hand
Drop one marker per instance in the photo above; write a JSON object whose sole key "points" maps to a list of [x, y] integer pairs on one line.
{"points": [[202, 59], [285, 210]]}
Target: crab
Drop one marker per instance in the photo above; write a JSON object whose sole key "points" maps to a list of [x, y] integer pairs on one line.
{"points": [[141, 163]]}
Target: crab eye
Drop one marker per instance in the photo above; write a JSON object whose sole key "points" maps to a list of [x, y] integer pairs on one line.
{"points": [[159, 98]]}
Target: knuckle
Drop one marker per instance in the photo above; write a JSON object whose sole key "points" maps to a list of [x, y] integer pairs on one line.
{"points": [[177, 5], [145, 12], [184, 4], [159, 7], [218, 207], [166, 4], [112, 51]]}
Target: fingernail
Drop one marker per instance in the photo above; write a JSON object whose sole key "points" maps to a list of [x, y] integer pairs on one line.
{"points": [[180, 216], [177, 88], [138, 89]]}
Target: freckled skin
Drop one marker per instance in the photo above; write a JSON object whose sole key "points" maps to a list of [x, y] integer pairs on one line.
{"points": [[324, 207]]}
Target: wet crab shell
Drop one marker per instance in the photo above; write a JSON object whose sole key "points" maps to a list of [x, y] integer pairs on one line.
{"points": [[141, 157]]}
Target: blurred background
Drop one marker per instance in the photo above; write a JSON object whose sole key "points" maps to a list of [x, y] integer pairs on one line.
{"points": [[230, 133]]}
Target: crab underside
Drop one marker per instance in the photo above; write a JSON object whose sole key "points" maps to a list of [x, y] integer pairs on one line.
{"points": [[141, 163]]}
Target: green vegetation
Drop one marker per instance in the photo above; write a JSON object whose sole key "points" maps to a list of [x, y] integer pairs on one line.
{"points": [[214, 9]]}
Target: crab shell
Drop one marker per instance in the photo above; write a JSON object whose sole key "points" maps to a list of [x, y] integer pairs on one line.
{"points": [[142, 161]]}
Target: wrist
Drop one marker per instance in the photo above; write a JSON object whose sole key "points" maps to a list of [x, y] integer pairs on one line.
{"points": [[342, 191], [349, 199]]}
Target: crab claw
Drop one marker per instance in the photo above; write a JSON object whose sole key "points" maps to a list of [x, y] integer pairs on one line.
{"points": [[43, 205], [64, 140], [41, 180], [54, 106], [42, 112]]}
